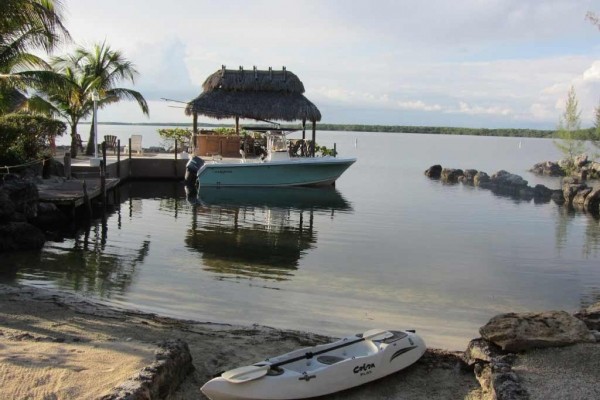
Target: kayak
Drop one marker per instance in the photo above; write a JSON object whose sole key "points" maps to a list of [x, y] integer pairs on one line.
{"points": [[320, 370]]}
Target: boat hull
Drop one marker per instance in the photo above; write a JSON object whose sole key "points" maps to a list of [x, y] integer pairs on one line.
{"points": [[358, 364], [319, 171]]}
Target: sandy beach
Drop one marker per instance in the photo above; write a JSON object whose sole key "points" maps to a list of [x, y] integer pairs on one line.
{"points": [[62, 346]]}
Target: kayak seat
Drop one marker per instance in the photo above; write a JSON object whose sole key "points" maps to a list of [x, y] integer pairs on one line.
{"points": [[329, 359]]}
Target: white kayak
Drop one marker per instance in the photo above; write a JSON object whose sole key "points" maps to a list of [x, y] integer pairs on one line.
{"points": [[320, 370]]}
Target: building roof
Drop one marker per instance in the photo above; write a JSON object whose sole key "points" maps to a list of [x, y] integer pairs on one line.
{"points": [[254, 94]]}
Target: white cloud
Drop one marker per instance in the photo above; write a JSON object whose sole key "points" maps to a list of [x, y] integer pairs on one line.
{"points": [[504, 60], [592, 74], [418, 105], [465, 108]]}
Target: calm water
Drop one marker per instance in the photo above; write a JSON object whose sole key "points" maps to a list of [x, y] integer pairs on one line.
{"points": [[386, 248]]}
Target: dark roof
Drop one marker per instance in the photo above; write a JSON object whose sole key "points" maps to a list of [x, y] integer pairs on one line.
{"points": [[255, 94]]}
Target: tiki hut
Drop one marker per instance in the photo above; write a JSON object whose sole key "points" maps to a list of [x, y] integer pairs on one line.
{"points": [[254, 94]]}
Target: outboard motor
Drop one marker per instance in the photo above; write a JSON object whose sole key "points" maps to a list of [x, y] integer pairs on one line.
{"points": [[191, 171]]}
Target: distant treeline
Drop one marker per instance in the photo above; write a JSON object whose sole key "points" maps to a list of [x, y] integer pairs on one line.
{"points": [[436, 130]]}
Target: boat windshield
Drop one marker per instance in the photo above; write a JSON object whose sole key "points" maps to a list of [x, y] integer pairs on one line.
{"points": [[277, 142]]}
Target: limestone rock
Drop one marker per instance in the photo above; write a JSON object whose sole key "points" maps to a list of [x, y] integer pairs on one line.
{"points": [[570, 188], [481, 179], [160, 379], [504, 178], [548, 168], [499, 382], [480, 350], [23, 194], [20, 236], [7, 207], [590, 316], [522, 331], [49, 217], [592, 201], [469, 176], [451, 175], [581, 160], [53, 167], [435, 171], [579, 198]]}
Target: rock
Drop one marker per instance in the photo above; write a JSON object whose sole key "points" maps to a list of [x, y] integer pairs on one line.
{"points": [[434, 171], [7, 207], [504, 178], [20, 236], [580, 175], [160, 379], [542, 194], [516, 332], [53, 167], [557, 197], [49, 217], [580, 160], [526, 193], [590, 316], [23, 194], [594, 170], [451, 175], [499, 382], [579, 198], [481, 179], [548, 168], [570, 188], [480, 350], [592, 201], [469, 176]]}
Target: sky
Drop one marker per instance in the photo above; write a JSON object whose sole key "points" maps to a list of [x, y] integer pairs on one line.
{"points": [[467, 63]]}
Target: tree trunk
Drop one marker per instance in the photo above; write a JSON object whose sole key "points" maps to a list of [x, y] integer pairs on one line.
{"points": [[89, 149], [74, 144]]}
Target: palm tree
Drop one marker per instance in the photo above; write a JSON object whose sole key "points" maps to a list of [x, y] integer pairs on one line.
{"points": [[84, 72], [26, 25]]}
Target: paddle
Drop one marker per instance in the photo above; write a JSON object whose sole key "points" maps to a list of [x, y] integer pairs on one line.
{"points": [[251, 372]]}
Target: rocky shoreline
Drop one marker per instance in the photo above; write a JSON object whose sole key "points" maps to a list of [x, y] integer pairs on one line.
{"points": [[574, 191], [502, 364]]}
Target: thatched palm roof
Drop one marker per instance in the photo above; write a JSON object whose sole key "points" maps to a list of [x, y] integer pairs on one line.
{"points": [[255, 94]]}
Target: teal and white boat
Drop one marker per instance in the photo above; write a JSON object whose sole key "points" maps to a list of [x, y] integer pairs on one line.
{"points": [[277, 169]]}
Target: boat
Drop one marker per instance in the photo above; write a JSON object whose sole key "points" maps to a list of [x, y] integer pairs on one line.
{"points": [[320, 370], [277, 169]]}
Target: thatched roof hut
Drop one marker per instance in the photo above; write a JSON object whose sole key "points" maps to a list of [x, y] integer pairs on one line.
{"points": [[254, 94]]}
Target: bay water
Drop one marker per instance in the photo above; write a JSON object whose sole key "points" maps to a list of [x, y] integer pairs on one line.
{"points": [[386, 248]]}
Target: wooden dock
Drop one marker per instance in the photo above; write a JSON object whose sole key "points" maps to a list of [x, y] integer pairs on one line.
{"points": [[71, 193]]}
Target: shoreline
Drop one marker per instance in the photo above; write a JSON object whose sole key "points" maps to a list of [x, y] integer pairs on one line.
{"points": [[547, 355], [70, 319]]}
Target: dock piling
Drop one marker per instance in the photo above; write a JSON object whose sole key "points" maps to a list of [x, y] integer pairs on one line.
{"points": [[118, 158], [67, 160]]}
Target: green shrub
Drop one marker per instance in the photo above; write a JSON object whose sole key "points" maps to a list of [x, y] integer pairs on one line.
{"points": [[169, 135], [25, 138]]}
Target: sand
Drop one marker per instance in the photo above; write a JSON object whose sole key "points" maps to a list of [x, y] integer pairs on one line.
{"points": [[57, 346]]}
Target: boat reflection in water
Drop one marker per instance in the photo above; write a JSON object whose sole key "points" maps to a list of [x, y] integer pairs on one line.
{"points": [[258, 232]]}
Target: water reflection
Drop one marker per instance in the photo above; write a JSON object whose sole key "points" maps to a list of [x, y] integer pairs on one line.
{"points": [[85, 264], [258, 233]]}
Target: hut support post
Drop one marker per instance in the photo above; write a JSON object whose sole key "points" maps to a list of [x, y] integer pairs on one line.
{"points": [[118, 158], [303, 129], [237, 126], [194, 132], [129, 164], [314, 138], [175, 162]]}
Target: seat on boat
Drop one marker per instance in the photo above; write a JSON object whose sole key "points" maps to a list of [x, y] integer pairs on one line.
{"points": [[329, 359]]}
